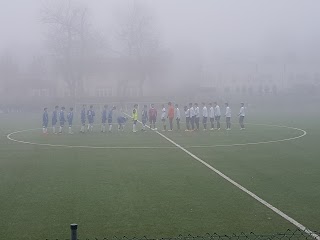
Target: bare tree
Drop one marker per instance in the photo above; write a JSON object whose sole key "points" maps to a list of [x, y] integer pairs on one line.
{"points": [[71, 40], [139, 46]]}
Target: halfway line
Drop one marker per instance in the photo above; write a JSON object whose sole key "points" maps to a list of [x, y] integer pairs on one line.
{"points": [[268, 205]]}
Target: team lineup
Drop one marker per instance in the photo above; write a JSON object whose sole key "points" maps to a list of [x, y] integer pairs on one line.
{"points": [[171, 113]]}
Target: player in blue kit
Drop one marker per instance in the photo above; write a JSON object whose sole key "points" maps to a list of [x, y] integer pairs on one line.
{"points": [[70, 120], [144, 117], [62, 119], [121, 121], [83, 118], [90, 115], [110, 117], [45, 121], [54, 119], [104, 118]]}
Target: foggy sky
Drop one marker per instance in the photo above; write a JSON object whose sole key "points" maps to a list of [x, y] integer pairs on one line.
{"points": [[251, 27]]}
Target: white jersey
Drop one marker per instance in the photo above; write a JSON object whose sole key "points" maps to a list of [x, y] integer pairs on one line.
{"points": [[163, 113], [205, 112], [192, 113], [242, 112], [197, 112], [228, 112], [178, 115], [211, 113], [217, 112], [187, 112]]}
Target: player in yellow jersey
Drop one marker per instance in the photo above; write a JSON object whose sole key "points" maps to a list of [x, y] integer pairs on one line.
{"points": [[135, 117]]}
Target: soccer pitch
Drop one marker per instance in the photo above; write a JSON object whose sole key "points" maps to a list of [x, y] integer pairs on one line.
{"points": [[147, 183]]}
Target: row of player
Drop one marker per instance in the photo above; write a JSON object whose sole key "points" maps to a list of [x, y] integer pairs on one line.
{"points": [[85, 115], [192, 115]]}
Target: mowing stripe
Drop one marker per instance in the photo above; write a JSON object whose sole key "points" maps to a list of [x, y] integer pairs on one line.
{"points": [[265, 203]]}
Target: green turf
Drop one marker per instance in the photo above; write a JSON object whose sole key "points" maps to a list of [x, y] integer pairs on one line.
{"points": [[156, 192]]}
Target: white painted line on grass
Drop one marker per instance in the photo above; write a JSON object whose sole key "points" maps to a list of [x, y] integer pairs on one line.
{"points": [[276, 210], [256, 143], [10, 137], [268, 205]]}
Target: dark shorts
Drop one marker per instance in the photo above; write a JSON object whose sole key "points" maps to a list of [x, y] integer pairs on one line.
{"points": [[45, 124], [54, 122], [109, 120], [204, 120], [152, 120], [192, 119], [217, 118], [61, 124], [135, 121], [70, 123], [211, 119], [120, 121], [163, 119]]}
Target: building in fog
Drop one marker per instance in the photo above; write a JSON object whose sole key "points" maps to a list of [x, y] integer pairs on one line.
{"points": [[114, 79], [254, 79]]}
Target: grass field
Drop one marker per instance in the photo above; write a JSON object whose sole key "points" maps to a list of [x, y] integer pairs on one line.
{"points": [[149, 187]]}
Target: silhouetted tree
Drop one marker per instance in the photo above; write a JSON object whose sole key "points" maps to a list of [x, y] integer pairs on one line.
{"points": [[71, 40], [139, 45]]}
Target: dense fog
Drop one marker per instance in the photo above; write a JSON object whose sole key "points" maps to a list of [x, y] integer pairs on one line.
{"points": [[79, 51]]}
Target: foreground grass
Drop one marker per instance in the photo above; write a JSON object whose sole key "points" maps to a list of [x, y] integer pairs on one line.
{"points": [[155, 192]]}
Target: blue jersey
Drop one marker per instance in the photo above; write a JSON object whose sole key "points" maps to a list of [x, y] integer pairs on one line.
{"points": [[90, 114], [144, 116], [104, 116], [54, 117], [70, 118], [62, 118], [45, 119], [83, 116], [110, 116], [121, 120]]}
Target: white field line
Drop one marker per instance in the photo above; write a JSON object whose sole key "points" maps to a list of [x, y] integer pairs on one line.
{"points": [[277, 211], [256, 143], [265, 203], [10, 137]]}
